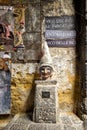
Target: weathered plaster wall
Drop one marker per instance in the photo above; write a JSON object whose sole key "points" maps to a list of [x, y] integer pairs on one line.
{"points": [[64, 59], [23, 76], [65, 64]]}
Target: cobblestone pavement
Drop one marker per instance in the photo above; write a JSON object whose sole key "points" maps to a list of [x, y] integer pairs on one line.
{"points": [[66, 122]]}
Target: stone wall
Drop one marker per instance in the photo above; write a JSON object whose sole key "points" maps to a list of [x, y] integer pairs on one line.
{"points": [[65, 60], [23, 76], [67, 76]]}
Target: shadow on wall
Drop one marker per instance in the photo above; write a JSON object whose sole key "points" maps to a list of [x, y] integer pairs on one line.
{"points": [[29, 104], [79, 32]]}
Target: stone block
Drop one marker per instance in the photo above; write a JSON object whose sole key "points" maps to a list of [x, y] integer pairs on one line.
{"points": [[46, 95], [46, 115], [46, 102], [54, 127], [32, 16], [31, 38], [85, 124], [68, 127], [36, 126], [23, 55]]}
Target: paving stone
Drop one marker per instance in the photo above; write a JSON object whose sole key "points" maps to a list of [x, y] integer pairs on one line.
{"points": [[66, 120], [54, 127], [75, 120], [24, 119], [23, 122], [47, 115], [85, 124], [68, 127], [37, 126], [18, 127], [8, 126], [79, 127]]}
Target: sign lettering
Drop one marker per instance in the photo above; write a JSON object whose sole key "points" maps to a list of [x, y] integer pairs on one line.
{"points": [[59, 34], [54, 23], [62, 43]]}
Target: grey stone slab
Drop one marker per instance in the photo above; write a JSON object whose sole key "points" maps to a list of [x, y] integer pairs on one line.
{"points": [[69, 127], [37, 126], [31, 51], [32, 17], [18, 55], [32, 127], [85, 124], [76, 120], [54, 127], [46, 102], [66, 120], [7, 126], [18, 127], [32, 46], [46, 82], [79, 127], [32, 38], [46, 115], [21, 122], [23, 56]]}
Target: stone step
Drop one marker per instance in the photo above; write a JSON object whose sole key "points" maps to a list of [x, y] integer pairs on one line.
{"points": [[66, 122]]}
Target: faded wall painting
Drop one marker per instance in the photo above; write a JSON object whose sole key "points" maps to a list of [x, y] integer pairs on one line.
{"points": [[19, 29], [6, 28], [5, 82], [6, 47], [12, 26], [19, 26]]}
